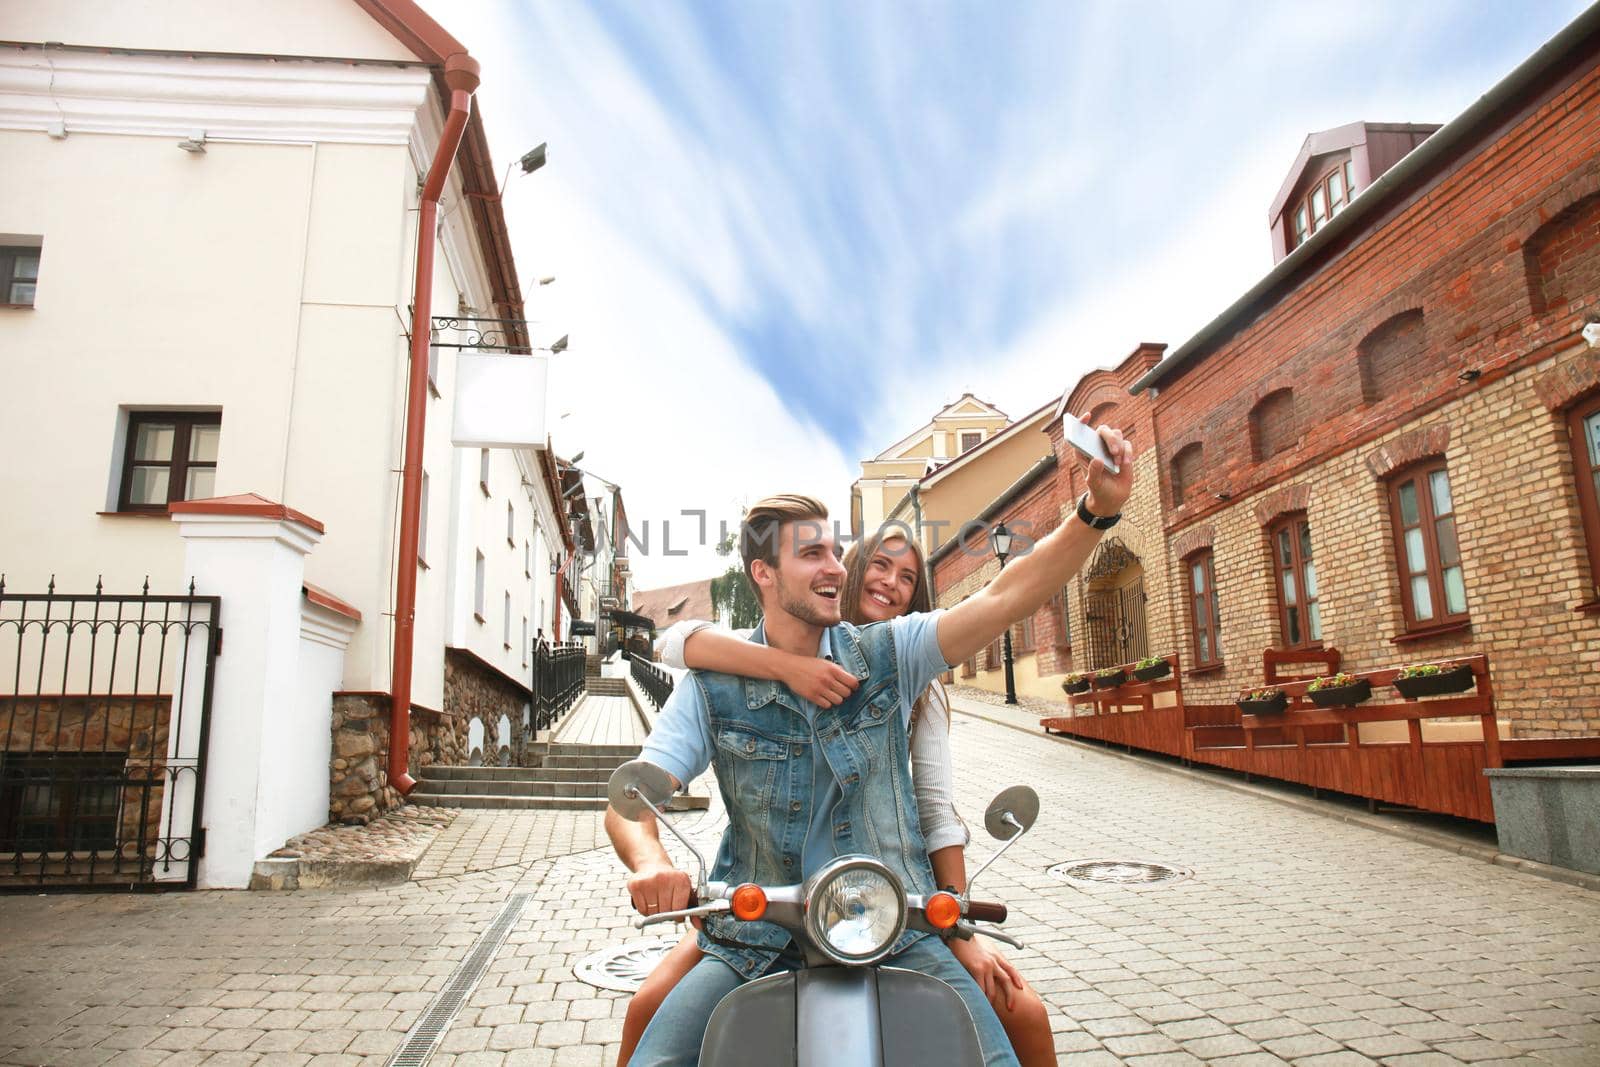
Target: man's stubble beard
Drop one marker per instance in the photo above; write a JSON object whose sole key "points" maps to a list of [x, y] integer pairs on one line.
{"points": [[803, 610]]}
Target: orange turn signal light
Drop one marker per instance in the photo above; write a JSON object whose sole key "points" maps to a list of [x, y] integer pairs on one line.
{"points": [[943, 910], [749, 902]]}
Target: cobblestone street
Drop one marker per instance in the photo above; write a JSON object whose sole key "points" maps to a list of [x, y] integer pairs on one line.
{"points": [[1297, 938]]}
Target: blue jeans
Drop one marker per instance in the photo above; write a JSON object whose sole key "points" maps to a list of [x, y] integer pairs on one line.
{"points": [[673, 1037]]}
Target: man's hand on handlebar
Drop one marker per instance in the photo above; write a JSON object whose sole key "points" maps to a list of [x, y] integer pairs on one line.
{"points": [[659, 887]]}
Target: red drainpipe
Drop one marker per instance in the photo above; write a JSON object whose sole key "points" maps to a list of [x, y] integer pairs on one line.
{"points": [[561, 572], [461, 76]]}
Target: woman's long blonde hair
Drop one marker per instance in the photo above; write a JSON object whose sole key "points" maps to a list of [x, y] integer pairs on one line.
{"points": [[856, 560]]}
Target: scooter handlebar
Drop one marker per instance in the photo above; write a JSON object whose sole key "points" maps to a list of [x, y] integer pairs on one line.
{"points": [[986, 912]]}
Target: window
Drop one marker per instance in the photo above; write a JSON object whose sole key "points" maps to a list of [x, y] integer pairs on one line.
{"points": [[1203, 609], [477, 588], [969, 667], [1583, 422], [60, 801], [1431, 587], [994, 654], [1025, 635], [1330, 195], [169, 456], [527, 559], [511, 525], [1299, 610], [1185, 472], [19, 273], [505, 628], [971, 439], [524, 640], [1272, 425], [1058, 604], [483, 470], [422, 525]]}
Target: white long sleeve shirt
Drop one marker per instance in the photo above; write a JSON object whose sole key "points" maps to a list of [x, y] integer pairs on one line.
{"points": [[930, 748]]}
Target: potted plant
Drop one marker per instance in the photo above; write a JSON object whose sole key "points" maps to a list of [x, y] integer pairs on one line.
{"points": [[1267, 701], [1431, 679], [1148, 670], [1339, 691], [1076, 682], [1110, 678]]}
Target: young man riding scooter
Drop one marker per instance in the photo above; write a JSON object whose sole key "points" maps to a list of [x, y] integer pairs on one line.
{"points": [[804, 785]]}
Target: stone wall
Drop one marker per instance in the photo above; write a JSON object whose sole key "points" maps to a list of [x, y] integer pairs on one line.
{"points": [[359, 774], [472, 692]]}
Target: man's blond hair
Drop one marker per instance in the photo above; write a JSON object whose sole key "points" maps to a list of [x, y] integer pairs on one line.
{"points": [[759, 533]]}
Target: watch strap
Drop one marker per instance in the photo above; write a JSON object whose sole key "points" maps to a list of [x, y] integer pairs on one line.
{"points": [[1093, 521]]}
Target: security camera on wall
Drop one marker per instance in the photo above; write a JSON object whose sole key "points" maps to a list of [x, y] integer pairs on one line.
{"points": [[1591, 334]]}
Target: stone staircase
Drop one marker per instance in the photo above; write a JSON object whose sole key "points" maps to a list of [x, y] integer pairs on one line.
{"points": [[606, 687], [567, 777]]}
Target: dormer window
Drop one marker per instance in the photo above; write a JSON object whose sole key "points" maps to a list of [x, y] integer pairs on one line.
{"points": [[1330, 195]]}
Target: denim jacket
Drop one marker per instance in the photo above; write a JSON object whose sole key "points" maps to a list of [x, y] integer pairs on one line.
{"points": [[764, 753]]}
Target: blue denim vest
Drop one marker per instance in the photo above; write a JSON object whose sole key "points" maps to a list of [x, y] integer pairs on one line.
{"points": [[764, 750]]}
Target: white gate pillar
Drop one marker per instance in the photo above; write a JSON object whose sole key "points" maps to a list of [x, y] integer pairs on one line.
{"points": [[251, 552]]}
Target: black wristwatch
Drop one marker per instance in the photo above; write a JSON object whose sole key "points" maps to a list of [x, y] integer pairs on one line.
{"points": [[1093, 521]]}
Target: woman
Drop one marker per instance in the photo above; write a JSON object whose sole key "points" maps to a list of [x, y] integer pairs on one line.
{"points": [[883, 580]]}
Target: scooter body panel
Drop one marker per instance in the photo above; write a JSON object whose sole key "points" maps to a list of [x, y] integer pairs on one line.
{"points": [[842, 1017]]}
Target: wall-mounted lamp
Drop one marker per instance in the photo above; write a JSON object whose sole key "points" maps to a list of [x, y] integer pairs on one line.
{"points": [[1591, 334], [560, 346], [534, 158], [547, 279], [195, 144]]}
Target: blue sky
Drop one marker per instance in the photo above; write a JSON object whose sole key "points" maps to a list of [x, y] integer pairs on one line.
{"points": [[784, 234]]}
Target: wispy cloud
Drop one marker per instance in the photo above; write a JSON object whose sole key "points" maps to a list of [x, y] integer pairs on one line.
{"points": [[786, 233]]}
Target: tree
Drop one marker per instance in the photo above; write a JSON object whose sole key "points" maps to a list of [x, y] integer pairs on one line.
{"points": [[731, 594]]}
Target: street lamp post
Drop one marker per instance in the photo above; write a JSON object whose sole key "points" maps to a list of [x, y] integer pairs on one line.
{"points": [[1000, 539]]}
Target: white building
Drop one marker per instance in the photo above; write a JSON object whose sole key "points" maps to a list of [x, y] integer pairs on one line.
{"points": [[208, 233]]}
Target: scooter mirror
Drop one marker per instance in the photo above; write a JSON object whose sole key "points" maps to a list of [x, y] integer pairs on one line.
{"points": [[1021, 803], [634, 780]]}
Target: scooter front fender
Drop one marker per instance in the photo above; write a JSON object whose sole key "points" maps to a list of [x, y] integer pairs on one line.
{"points": [[842, 1017]]}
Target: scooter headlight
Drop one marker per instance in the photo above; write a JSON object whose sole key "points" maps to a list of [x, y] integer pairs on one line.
{"points": [[855, 909]]}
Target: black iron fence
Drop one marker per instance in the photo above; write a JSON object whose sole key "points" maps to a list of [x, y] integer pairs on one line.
{"points": [[105, 702], [656, 682], [558, 680]]}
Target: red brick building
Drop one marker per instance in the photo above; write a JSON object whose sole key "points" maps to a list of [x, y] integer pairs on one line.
{"points": [[1391, 444]]}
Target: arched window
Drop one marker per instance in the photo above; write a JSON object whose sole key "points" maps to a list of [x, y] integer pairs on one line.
{"points": [[1185, 472], [1272, 424], [1392, 355]]}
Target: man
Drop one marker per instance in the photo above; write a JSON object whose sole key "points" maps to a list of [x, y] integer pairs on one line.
{"points": [[794, 778]]}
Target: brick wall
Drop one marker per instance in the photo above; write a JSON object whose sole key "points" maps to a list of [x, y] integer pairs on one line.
{"points": [[1459, 312]]}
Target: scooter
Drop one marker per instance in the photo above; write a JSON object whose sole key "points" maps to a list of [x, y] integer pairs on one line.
{"points": [[843, 1007]]}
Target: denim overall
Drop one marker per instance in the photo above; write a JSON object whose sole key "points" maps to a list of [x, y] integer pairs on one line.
{"points": [[764, 758]]}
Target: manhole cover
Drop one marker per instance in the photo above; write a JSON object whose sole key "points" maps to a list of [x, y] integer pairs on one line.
{"points": [[1117, 872], [622, 967]]}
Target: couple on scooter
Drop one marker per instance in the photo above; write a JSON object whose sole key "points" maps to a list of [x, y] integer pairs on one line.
{"points": [[820, 766]]}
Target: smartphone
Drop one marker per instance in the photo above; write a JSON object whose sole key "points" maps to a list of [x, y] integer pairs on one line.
{"points": [[1087, 441]]}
